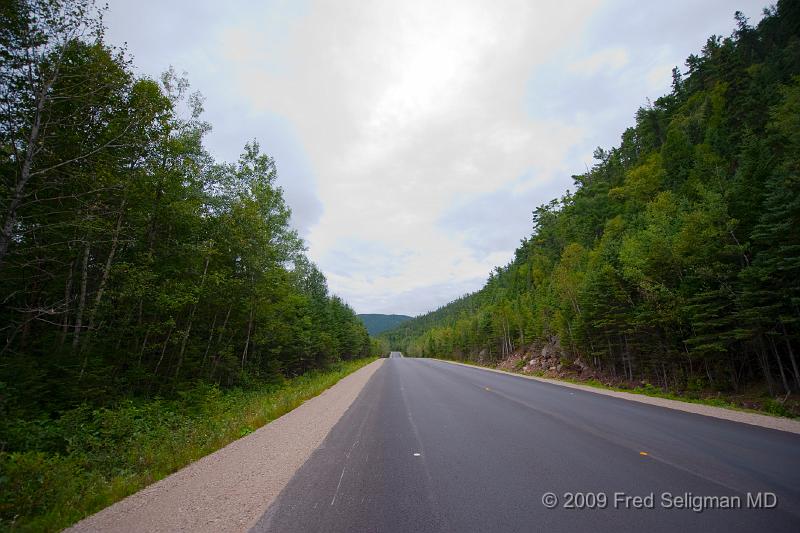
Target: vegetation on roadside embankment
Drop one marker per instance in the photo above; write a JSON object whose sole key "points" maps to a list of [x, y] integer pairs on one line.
{"points": [[754, 399], [89, 458]]}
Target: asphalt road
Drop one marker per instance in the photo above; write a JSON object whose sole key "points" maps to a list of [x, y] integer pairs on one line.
{"points": [[431, 446]]}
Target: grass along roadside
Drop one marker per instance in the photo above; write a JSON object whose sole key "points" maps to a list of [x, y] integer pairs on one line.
{"points": [[769, 407], [91, 458]]}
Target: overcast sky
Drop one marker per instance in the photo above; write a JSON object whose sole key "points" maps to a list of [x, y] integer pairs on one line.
{"points": [[414, 138]]}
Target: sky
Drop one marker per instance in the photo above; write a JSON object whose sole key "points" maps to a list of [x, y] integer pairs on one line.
{"points": [[413, 139]]}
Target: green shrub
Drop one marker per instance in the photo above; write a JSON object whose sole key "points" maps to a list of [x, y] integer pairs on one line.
{"points": [[776, 407], [62, 470], [648, 389]]}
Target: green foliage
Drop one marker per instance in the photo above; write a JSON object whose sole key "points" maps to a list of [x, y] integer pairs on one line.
{"points": [[676, 261], [131, 263], [96, 456], [378, 347], [145, 289], [377, 323], [776, 408]]}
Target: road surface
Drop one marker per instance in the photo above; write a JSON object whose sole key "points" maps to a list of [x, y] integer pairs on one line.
{"points": [[432, 446]]}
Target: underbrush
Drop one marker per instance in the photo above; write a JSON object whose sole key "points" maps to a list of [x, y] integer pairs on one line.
{"points": [[756, 401], [753, 400], [66, 469]]}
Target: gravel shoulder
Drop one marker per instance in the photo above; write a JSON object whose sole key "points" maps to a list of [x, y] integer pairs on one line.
{"points": [[754, 419], [231, 488]]}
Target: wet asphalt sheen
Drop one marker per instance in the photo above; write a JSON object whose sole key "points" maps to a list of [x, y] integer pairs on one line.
{"points": [[432, 446]]}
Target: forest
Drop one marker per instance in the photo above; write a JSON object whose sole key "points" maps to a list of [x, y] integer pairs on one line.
{"points": [[676, 258], [132, 264], [378, 323]]}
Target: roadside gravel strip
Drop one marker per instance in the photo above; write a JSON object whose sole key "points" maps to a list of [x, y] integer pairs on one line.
{"points": [[231, 488], [755, 419]]}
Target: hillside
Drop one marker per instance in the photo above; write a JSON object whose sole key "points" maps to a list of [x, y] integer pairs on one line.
{"points": [[676, 258], [377, 323]]}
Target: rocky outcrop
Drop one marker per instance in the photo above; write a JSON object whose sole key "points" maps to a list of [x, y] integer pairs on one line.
{"points": [[547, 358]]}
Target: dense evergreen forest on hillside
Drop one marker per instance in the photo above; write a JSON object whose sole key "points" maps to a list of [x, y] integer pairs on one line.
{"points": [[132, 264], [377, 323], [677, 257]]}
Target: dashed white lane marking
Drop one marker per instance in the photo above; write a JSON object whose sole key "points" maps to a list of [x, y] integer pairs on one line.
{"points": [[416, 454]]}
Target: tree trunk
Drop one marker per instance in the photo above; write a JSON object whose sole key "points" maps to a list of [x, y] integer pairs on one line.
{"points": [[762, 358], [249, 331], [791, 356], [628, 357], [144, 344], [191, 319], [786, 387], [210, 340], [98, 297], [215, 359], [224, 324], [82, 299], [163, 350], [510, 339], [67, 298], [107, 267], [7, 231]]}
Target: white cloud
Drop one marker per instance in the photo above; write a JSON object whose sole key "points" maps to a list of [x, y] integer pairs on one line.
{"points": [[405, 108], [608, 59], [659, 77], [414, 138]]}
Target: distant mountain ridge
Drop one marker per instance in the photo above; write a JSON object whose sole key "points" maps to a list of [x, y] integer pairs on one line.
{"points": [[377, 323]]}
